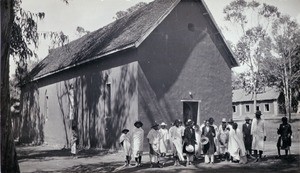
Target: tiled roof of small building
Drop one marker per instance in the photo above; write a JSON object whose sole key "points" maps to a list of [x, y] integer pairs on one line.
{"points": [[268, 93], [126, 32]]}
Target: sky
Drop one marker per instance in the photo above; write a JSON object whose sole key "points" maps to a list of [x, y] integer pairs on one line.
{"points": [[94, 14]]}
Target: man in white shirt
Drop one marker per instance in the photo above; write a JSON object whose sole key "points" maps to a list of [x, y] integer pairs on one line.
{"points": [[154, 138], [258, 133]]}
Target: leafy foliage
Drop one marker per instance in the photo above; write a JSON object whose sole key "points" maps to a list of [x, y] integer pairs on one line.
{"points": [[81, 31], [267, 46], [25, 37]]}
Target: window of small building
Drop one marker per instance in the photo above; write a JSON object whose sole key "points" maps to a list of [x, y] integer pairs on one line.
{"points": [[257, 108], [247, 108], [233, 108], [267, 107]]}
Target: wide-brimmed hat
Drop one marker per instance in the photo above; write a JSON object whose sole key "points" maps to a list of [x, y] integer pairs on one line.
{"points": [[138, 122], [258, 113], [247, 118], [223, 120], [284, 119], [190, 148], [189, 122], [125, 130], [163, 124], [204, 140], [155, 124]]}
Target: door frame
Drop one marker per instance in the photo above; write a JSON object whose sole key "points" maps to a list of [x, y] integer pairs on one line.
{"points": [[198, 111]]}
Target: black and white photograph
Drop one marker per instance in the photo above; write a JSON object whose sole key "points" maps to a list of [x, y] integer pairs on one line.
{"points": [[150, 86]]}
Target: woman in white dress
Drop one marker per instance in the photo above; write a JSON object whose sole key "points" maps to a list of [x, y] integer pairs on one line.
{"points": [[125, 142], [137, 142]]}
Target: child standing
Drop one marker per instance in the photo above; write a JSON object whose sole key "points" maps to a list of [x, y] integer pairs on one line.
{"points": [[125, 143], [74, 141]]}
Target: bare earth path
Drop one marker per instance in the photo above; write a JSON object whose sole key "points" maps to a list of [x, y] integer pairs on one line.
{"points": [[43, 159]]}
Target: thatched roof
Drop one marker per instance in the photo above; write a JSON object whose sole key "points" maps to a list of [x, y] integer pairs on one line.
{"points": [[124, 33], [241, 95]]}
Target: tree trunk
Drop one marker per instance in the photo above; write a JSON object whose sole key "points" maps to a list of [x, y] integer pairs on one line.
{"points": [[9, 162], [254, 100], [289, 86], [286, 91]]}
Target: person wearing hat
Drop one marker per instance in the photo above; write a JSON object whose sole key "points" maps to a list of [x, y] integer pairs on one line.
{"points": [[125, 143], [258, 133], [285, 134], [223, 138], [216, 141], [137, 142], [164, 139], [230, 139], [176, 142], [246, 129], [209, 148], [189, 141], [154, 138]]}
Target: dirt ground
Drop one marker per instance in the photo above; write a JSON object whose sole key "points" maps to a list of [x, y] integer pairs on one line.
{"points": [[45, 159]]}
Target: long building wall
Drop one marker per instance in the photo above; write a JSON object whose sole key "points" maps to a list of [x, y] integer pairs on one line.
{"points": [[182, 59], [50, 110], [243, 109]]}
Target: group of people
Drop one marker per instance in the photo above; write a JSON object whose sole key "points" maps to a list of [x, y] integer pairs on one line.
{"points": [[187, 143]]}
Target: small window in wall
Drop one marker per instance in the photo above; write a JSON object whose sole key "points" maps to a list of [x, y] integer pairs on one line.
{"points": [[247, 108], [234, 108], [257, 108], [267, 107]]}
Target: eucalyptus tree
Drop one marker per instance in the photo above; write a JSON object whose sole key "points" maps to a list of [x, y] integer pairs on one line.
{"points": [[18, 36], [252, 21]]}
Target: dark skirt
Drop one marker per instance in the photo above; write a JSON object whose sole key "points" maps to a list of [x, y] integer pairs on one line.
{"points": [[248, 142], [284, 142], [209, 148]]}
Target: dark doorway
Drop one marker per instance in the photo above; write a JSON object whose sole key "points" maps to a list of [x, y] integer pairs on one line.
{"points": [[190, 111]]}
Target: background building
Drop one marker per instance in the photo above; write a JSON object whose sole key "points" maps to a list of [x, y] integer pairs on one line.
{"points": [[165, 61]]}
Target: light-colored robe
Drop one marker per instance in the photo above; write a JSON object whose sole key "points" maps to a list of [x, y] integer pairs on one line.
{"points": [[258, 133], [175, 134], [164, 140], [223, 137], [154, 140], [198, 145], [137, 141], [126, 144], [237, 147], [216, 138]]}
